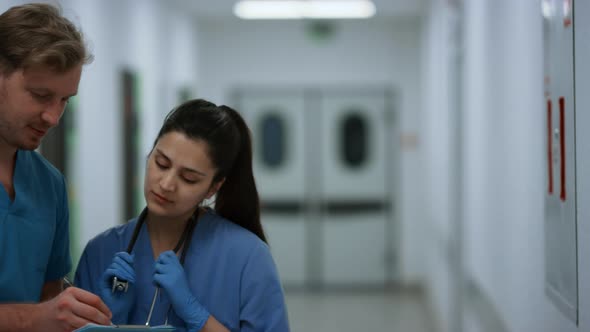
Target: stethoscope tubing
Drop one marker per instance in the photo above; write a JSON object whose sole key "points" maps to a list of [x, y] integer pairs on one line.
{"points": [[184, 240]]}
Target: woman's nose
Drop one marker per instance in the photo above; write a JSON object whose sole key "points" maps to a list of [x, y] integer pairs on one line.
{"points": [[167, 181]]}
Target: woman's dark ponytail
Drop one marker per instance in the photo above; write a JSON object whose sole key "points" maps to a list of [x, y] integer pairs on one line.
{"points": [[230, 149], [237, 199]]}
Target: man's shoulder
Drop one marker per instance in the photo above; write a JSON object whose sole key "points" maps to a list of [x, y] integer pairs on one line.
{"points": [[41, 165]]}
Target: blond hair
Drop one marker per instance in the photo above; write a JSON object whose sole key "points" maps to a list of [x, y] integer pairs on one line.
{"points": [[35, 35]]}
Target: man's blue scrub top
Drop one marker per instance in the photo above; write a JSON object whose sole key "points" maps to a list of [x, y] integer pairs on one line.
{"points": [[34, 238], [229, 270]]}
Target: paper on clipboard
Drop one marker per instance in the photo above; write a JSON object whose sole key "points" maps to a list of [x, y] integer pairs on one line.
{"points": [[124, 328]]}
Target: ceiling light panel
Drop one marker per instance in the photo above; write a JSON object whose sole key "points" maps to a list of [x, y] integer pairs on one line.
{"points": [[310, 9]]}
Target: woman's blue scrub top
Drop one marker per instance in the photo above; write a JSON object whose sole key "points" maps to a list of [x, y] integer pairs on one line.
{"points": [[229, 269], [34, 238]]}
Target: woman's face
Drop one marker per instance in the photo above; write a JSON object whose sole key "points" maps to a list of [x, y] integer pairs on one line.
{"points": [[179, 176]]}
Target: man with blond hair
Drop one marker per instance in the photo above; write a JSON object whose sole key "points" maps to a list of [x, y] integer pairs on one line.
{"points": [[41, 58]]}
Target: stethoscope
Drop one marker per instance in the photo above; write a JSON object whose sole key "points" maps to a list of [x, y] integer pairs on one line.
{"points": [[183, 242]]}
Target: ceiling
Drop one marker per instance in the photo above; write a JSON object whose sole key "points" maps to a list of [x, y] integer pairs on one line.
{"points": [[223, 8]]}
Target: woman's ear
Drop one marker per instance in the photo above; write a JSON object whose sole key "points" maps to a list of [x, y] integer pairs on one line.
{"points": [[215, 188]]}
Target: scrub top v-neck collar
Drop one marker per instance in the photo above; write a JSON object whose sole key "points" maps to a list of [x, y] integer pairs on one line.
{"points": [[18, 183]]}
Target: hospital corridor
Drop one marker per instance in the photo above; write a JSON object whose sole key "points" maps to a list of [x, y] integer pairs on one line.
{"points": [[422, 165]]}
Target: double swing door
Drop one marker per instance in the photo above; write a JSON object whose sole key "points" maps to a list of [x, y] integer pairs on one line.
{"points": [[323, 167]]}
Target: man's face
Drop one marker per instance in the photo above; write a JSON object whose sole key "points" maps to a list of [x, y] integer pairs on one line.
{"points": [[31, 102]]}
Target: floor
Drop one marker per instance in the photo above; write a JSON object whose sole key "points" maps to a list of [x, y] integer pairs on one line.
{"points": [[356, 311]]}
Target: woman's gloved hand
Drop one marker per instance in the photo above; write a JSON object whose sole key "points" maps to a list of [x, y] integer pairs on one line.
{"points": [[119, 302], [169, 275]]}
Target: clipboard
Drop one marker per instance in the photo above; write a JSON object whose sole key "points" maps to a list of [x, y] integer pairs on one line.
{"points": [[125, 328]]}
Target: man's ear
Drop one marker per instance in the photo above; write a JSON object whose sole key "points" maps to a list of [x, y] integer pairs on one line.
{"points": [[215, 188]]}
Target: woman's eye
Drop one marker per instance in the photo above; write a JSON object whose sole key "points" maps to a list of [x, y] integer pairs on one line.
{"points": [[161, 166], [190, 181]]}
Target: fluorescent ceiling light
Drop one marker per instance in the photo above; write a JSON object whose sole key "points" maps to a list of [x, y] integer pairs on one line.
{"points": [[313, 9], [548, 9]]}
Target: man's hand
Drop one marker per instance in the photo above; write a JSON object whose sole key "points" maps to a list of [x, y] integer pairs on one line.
{"points": [[72, 309]]}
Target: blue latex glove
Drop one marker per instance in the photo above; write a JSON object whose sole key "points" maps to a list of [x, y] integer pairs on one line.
{"points": [[169, 275], [119, 302]]}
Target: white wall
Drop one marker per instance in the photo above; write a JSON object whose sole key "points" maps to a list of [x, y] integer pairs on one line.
{"points": [[436, 160], [505, 237], [504, 161], [273, 54]]}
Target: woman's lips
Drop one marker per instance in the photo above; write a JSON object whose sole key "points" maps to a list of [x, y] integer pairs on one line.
{"points": [[161, 198]]}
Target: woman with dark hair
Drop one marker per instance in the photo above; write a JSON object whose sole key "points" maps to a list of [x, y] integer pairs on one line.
{"points": [[181, 263]]}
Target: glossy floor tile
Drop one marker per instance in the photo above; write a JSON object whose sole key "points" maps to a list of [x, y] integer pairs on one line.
{"points": [[356, 311]]}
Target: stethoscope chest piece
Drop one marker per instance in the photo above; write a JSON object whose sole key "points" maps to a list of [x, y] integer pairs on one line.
{"points": [[119, 285]]}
